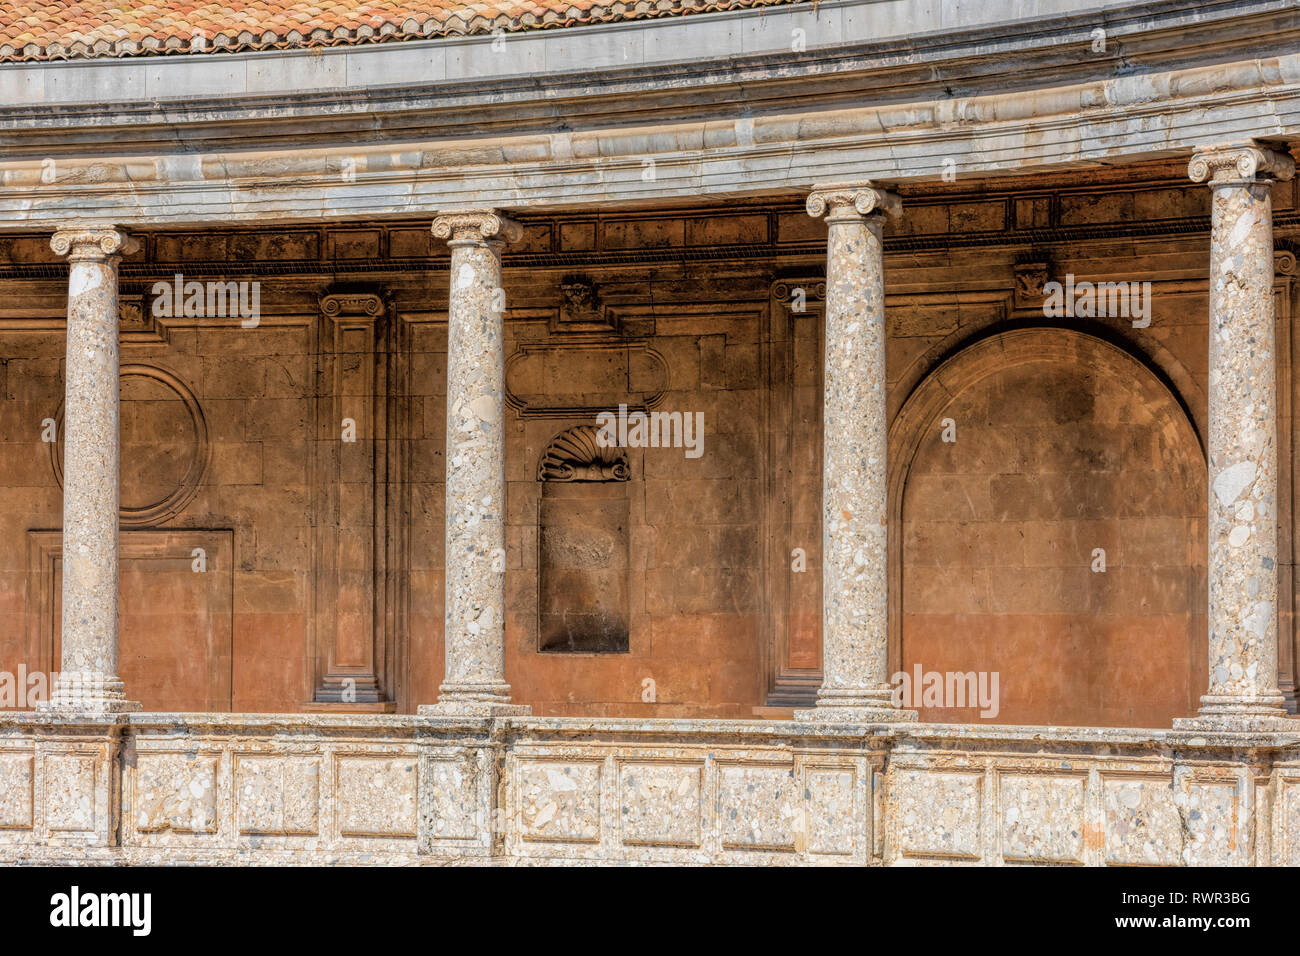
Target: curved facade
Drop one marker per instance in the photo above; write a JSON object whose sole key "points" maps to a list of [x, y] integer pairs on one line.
{"points": [[695, 433]]}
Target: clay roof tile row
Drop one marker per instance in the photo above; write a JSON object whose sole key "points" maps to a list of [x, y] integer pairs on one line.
{"points": [[47, 30]]}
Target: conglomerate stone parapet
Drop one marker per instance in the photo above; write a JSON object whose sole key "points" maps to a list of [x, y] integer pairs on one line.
{"points": [[295, 788]]}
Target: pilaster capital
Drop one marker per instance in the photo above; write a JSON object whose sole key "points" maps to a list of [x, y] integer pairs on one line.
{"points": [[93, 243], [336, 304], [476, 225], [841, 201], [1284, 262], [1239, 164]]}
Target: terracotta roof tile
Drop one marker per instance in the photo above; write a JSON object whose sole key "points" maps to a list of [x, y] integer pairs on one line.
{"points": [[49, 30]]}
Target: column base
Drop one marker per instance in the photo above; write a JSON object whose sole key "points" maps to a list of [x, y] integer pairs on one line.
{"points": [[473, 708], [1290, 696], [856, 706], [855, 715], [474, 700], [89, 708], [88, 694], [1218, 714], [1241, 723]]}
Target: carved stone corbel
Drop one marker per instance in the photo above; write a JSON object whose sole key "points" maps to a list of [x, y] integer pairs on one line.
{"points": [[1030, 278], [581, 309]]}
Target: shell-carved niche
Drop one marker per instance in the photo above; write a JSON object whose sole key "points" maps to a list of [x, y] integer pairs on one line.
{"points": [[583, 546], [576, 454]]}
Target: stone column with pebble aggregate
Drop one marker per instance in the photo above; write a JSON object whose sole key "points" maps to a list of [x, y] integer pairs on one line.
{"points": [[1243, 577], [475, 680], [88, 680], [855, 505]]}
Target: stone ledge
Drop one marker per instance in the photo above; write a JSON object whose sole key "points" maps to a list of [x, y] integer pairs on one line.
{"points": [[321, 789], [1285, 734]]}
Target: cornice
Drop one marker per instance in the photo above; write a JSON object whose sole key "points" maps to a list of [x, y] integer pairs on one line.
{"points": [[389, 89], [544, 175], [1178, 74]]}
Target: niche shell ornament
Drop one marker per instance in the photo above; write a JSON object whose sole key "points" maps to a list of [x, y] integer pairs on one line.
{"points": [[576, 454]]}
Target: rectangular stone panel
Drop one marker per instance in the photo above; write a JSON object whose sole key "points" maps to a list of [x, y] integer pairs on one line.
{"points": [[659, 804], [176, 792], [376, 796], [353, 244], [643, 233], [759, 808], [577, 236], [1041, 818], [69, 787], [16, 780], [451, 797], [279, 246], [835, 825], [191, 247], [1142, 825], [1287, 823], [1094, 207], [1215, 830], [545, 380], [726, 230], [560, 801], [277, 795], [938, 814], [410, 243]]}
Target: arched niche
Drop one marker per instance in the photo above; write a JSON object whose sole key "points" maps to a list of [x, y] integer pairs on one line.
{"points": [[582, 546], [1058, 541]]}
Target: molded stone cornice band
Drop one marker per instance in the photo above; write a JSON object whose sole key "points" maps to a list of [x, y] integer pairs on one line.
{"points": [[477, 226], [716, 157], [837, 201], [93, 244], [1239, 163]]}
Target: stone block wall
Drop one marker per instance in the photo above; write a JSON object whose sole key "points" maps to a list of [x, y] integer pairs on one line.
{"points": [[315, 550], [1060, 534]]}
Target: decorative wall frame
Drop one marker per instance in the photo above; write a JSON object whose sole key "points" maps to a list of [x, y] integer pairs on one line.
{"points": [[176, 501]]}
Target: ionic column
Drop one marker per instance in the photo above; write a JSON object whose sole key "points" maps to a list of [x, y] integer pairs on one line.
{"points": [[88, 680], [1243, 502], [474, 634], [855, 581]]}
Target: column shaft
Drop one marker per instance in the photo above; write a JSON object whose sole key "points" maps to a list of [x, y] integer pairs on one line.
{"points": [[855, 503], [88, 679], [476, 487], [1243, 502]]}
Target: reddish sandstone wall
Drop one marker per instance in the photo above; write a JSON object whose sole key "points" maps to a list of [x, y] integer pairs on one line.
{"points": [[1056, 537], [995, 531]]}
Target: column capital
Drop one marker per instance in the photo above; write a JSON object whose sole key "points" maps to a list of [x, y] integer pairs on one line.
{"points": [[1239, 164], [477, 225], [96, 243], [851, 201]]}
